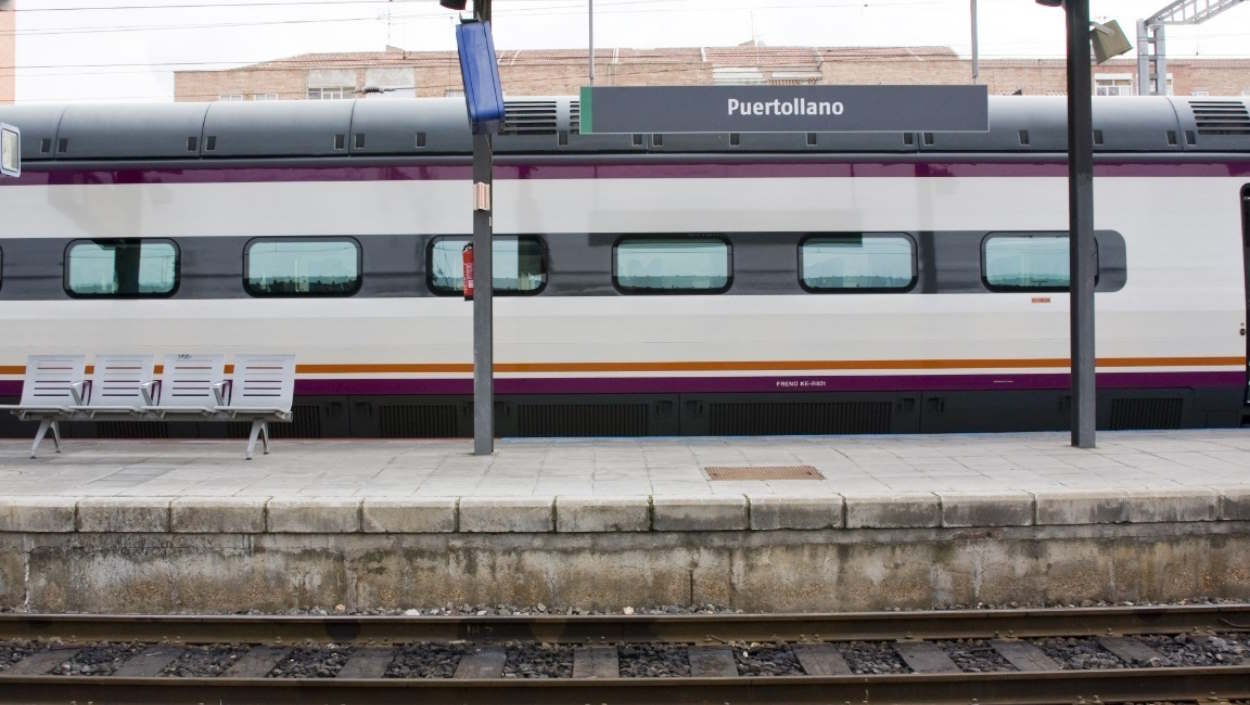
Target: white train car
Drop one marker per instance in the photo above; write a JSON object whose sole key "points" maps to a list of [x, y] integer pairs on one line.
{"points": [[651, 284]]}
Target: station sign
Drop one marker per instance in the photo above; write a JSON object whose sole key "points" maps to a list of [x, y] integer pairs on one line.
{"points": [[479, 69], [10, 150], [631, 109]]}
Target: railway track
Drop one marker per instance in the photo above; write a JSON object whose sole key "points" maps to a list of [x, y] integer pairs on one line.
{"points": [[1176, 653]]}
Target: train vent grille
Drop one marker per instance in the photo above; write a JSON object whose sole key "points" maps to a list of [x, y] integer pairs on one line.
{"points": [[582, 419], [529, 117], [305, 423], [132, 429], [575, 117], [754, 419], [417, 421], [1221, 117], [1146, 413]]}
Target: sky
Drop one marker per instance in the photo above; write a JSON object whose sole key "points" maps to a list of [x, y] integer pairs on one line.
{"points": [[81, 50]]}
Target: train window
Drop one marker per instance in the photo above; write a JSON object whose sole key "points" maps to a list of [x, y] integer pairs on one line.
{"points": [[281, 266], [885, 262], [1026, 262], [672, 265], [520, 265], [122, 268]]}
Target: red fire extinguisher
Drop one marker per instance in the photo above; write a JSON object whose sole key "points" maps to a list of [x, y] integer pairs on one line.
{"points": [[467, 254]]}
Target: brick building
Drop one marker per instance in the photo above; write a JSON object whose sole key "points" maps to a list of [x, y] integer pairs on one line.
{"points": [[398, 72], [8, 50]]}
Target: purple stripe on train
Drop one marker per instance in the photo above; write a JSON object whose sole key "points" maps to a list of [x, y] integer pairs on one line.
{"points": [[668, 385], [846, 383], [35, 175]]}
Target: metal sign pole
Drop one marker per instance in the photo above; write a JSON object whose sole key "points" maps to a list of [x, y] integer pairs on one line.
{"points": [[484, 284], [1081, 248], [976, 54]]}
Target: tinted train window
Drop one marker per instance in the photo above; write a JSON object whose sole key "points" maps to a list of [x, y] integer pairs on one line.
{"points": [[520, 265], [857, 263], [302, 267], [127, 268], [654, 265], [1026, 262]]}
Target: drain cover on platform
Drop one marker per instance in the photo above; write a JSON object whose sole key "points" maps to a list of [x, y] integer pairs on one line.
{"points": [[762, 472]]}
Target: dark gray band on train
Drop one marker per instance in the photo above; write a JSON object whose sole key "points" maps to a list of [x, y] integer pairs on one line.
{"points": [[213, 132], [579, 264], [644, 158]]}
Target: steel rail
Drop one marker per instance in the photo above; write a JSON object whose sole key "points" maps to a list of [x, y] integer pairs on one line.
{"points": [[1127, 685], [929, 624]]}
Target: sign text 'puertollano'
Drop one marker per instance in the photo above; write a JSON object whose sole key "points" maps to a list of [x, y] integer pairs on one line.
{"points": [[609, 109]]}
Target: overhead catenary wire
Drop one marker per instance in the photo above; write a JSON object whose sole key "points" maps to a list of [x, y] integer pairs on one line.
{"points": [[424, 16], [418, 62]]}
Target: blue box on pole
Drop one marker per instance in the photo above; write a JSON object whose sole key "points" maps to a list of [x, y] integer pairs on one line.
{"points": [[483, 95]]}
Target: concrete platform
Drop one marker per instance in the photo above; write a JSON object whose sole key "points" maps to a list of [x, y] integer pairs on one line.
{"points": [[907, 521]]}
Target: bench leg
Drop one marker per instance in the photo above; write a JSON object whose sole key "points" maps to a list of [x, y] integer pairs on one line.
{"points": [[251, 438], [44, 425], [264, 436]]}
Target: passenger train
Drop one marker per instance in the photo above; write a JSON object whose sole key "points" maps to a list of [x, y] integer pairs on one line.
{"points": [[649, 284]]}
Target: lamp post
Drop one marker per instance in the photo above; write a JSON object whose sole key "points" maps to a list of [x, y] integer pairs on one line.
{"points": [[1081, 249]]}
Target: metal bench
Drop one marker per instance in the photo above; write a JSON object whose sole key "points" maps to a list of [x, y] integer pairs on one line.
{"points": [[54, 386], [124, 388]]}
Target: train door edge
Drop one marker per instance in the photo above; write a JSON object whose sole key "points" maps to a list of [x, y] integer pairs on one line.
{"points": [[1245, 244]]}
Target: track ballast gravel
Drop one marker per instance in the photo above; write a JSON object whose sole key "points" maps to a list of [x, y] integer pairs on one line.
{"points": [[14, 651], [527, 660], [975, 656], [205, 661], [1079, 653], [312, 662], [426, 660], [653, 660], [97, 660], [766, 660]]}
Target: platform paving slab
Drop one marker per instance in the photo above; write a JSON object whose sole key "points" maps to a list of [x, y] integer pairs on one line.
{"points": [[892, 511], [1235, 504], [411, 515], [968, 509], [218, 515], [313, 515], [124, 515], [800, 512], [720, 513], [1169, 505], [498, 515], [1068, 508], [580, 514], [36, 514]]}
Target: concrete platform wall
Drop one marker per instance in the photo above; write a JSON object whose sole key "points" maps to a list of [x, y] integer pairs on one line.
{"points": [[108, 555]]}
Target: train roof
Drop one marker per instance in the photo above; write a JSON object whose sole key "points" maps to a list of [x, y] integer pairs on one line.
{"points": [[549, 125]]}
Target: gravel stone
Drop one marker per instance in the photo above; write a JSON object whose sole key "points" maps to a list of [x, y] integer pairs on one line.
{"points": [[13, 651], [757, 659], [869, 657], [653, 661], [312, 662], [97, 660], [427, 660], [1201, 649], [539, 661], [975, 656], [207, 661], [1078, 654]]}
